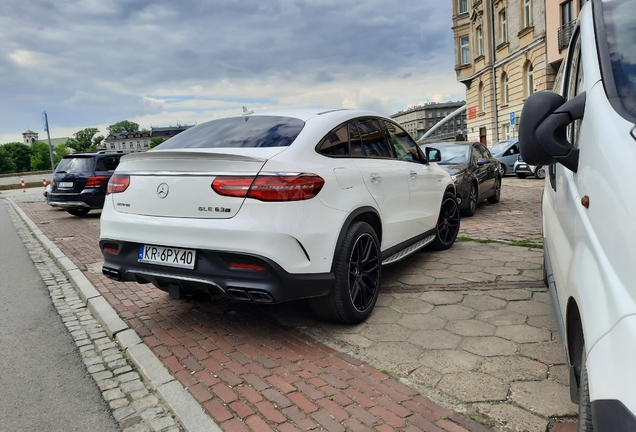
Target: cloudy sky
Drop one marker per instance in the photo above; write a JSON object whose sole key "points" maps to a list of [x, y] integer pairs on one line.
{"points": [[91, 63]]}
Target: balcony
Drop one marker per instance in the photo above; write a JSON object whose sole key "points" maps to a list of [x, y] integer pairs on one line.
{"points": [[565, 34]]}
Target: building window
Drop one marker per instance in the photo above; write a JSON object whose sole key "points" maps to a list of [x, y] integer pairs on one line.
{"points": [[462, 6], [112, 145], [529, 80], [146, 143], [480, 41], [464, 50], [503, 27], [138, 144], [567, 14], [527, 13], [504, 89], [506, 131]]}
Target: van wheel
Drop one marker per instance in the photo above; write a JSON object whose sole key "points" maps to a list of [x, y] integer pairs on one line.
{"points": [[585, 406], [78, 212], [357, 269], [447, 224], [539, 173]]}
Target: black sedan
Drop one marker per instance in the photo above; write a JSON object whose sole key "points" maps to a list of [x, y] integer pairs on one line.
{"points": [[474, 170]]}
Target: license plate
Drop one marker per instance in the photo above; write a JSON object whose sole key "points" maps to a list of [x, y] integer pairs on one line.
{"points": [[65, 184], [167, 256]]}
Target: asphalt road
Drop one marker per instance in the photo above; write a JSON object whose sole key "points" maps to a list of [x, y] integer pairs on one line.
{"points": [[44, 385]]}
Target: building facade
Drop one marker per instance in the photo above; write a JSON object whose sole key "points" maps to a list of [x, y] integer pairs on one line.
{"points": [[500, 56], [419, 119], [133, 142], [560, 18]]}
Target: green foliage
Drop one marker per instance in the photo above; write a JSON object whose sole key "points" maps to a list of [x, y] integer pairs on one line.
{"points": [[97, 140], [154, 142], [59, 151], [20, 155], [6, 163], [123, 126], [40, 157], [83, 140]]}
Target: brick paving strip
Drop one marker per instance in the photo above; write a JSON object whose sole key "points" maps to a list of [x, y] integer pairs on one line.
{"points": [[246, 370]]}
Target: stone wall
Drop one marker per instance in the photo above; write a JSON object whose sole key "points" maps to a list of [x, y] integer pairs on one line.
{"points": [[31, 179]]}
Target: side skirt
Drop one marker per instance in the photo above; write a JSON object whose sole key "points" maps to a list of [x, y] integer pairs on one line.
{"points": [[409, 247]]}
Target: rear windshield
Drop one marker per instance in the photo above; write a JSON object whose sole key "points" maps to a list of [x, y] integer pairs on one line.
{"points": [[256, 131], [621, 35], [76, 164]]}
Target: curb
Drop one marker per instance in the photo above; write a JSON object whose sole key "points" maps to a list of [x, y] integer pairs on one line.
{"points": [[184, 406]]}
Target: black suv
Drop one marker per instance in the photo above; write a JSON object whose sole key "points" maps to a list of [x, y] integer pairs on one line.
{"points": [[80, 181]]}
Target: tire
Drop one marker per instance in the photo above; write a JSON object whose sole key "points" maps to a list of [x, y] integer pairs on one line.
{"points": [[78, 212], [539, 173], [522, 175], [472, 201], [502, 169], [357, 269], [494, 199], [585, 406], [447, 224]]}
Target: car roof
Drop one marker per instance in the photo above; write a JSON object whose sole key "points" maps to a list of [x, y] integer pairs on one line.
{"points": [[307, 114]]}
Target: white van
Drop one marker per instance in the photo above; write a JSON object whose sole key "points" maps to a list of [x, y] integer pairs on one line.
{"points": [[585, 131]]}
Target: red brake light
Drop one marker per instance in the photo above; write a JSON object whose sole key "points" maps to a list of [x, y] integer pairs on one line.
{"points": [[95, 181], [291, 187], [118, 183]]}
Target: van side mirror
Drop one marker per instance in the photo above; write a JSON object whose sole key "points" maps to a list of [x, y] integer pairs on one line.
{"points": [[542, 133], [433, 154]]}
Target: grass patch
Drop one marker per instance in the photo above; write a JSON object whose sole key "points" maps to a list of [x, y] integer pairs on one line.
{"points": [[523, 243]]}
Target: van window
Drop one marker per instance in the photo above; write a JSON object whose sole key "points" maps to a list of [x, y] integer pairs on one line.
{"points": [[620, 27]]}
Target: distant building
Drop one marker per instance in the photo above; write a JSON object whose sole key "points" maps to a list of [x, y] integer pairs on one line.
{"points": [[29, 137], [132, 142], [419, 119]]}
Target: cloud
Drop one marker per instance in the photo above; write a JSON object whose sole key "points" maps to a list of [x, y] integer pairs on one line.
{"points": [[93, 62]]}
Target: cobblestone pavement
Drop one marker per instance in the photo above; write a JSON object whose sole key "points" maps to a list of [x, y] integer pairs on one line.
{"points": [[134, 405], [470, 329]]}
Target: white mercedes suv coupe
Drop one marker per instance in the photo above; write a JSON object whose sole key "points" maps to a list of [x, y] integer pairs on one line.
{"points": [[278, 205]]}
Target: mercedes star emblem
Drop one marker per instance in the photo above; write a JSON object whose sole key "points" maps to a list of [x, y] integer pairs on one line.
{"points": [[162, 190]]}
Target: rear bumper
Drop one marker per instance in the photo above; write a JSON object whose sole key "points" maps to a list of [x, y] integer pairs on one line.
{"points": [[87, 199], [212, 274]]}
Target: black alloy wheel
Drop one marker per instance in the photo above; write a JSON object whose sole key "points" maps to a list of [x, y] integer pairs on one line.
{"points": [[494, 199], [447, 224], [357, 269], [472, 200]]}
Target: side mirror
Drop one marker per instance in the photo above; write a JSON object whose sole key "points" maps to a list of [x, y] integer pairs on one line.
{"points": [[542, 133], [433, 154]]}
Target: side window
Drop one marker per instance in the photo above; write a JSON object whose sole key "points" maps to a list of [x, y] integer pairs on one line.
{"points": [[485, 153], [403, 145], [336, 143], [475, 154], [373, 140], [574, 86], [108, 163]]}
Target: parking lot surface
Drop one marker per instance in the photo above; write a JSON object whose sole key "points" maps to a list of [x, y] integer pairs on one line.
{"points": [[460, 340]]}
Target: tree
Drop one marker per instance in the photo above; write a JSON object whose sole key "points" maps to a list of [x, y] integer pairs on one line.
{"points": [[40, 157], [59, 151], [6, 163], [20, 154], [98, 140], [123, 126], [154, 142], [83, 140]]}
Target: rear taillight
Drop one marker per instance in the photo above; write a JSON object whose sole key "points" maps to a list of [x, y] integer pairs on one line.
{"points": [[118, 183], [95, 181], [282, 187]]}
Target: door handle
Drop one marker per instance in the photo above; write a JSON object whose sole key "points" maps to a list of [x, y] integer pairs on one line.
{"points": [[413, 174], [375, 177]]}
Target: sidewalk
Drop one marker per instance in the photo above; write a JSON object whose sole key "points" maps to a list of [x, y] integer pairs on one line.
{"points": [[469, 328]]}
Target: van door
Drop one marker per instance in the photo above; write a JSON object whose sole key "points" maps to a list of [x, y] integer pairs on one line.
{"points": [[562, 194]]}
